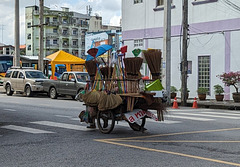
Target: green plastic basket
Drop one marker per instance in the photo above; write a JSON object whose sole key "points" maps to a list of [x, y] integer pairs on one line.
{"points": [[154, 86]]}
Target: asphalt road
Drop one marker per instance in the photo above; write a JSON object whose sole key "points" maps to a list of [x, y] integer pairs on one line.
{"points": [[39, 131]]}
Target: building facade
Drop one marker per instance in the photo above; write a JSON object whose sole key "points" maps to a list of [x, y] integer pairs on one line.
{"points": [[214, 31], [63, 30]]}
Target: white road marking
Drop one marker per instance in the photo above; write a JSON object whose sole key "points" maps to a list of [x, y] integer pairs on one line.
{"points": [[7, 109], [164, 122], [122, 123], [234, 112], [205, 115], [191, 118], [75, 119], [25, 129], [63, 116], [62, 125], [231, 114]]}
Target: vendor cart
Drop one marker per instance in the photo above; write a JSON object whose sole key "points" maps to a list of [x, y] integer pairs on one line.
{"points": [[117, 92]]}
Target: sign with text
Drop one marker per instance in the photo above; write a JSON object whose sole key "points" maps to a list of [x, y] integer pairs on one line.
{"points": [[137, 114]]}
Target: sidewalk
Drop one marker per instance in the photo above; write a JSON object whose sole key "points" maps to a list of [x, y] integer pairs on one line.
{"points": [[212, 103], [227, 105]]}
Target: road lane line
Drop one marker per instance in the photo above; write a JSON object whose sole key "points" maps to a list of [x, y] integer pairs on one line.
{"points": [[230, 114], [173, 134], [168, 152], [8, 109], [205, 115], [164, 122], [179, 141], [191, 118], [64, 116], [25, 129], [62, 125]]}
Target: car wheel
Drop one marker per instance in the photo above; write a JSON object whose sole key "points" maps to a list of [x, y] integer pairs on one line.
{"points": [[28, 91], [53, 93], [9, 92]]}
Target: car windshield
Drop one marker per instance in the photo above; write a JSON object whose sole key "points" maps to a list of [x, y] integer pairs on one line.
{"points": [[35, 74], [82, 77]]}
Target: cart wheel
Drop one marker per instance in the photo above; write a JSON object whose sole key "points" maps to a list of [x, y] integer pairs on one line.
{"points": [[105, 121], [137, 127]]}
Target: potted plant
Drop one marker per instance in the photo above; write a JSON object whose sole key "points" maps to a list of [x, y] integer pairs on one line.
{"points": [[232, 78], [173, 91], [218, 89], [202, 93]]}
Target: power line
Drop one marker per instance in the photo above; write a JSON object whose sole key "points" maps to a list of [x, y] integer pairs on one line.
{"points": [[231, 5]]}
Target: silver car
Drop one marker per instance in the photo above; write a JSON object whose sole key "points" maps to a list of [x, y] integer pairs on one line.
{"points": [[24, 80]]}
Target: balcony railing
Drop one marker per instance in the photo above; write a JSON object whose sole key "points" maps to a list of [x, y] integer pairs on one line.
{"points": [[52, 35], [53, 23]]}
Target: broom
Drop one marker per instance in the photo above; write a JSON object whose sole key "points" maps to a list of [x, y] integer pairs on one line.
{"points": [[132, 69], [91, 67], [153, 58]]}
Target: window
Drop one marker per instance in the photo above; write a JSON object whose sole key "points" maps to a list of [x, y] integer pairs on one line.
{"points": [[204, 72], [75, 43], [65, 32], [74, 32], [29, 47], [28, 25], [55, 19], [138, 1], [138, 43], [48, 42], [71, 76], [47, 20], [160, 2], [64, 21], [55, 42], [29, 36], [8, 74], [65, 77], [55, 30], [15, 74], [20, 75]]}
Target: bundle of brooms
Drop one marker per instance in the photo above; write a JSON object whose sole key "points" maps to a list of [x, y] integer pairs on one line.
{"points": [[91, 67], [132, 73], [153, 58], [106, 75]]}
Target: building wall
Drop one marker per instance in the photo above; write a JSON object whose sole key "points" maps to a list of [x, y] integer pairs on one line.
{"points": [[62, 29], [214, 29]]}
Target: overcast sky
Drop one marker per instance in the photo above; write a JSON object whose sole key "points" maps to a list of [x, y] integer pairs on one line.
{"points": [[110, 10]]}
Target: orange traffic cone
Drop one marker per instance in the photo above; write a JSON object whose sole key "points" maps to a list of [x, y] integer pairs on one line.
{"points": [[195, 103], [175, 104]]}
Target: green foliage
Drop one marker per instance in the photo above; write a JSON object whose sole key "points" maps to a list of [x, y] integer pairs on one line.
{"points": [[218, 89], [202, 90], [173, 89]]}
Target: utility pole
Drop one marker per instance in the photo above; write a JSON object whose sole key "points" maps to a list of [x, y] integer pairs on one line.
{"points": [[17, 49], [184, 63], [41, 31], [167, 45]]}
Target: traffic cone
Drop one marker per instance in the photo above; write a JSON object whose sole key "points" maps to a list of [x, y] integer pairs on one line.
{"points": [[195, 103], [175, 104]]}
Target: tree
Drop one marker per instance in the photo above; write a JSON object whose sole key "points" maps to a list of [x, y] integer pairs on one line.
{"points": [[231, 78]]}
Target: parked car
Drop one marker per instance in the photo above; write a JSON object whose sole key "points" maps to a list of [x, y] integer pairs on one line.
{"points": [[24, 80], [70, 83]]}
